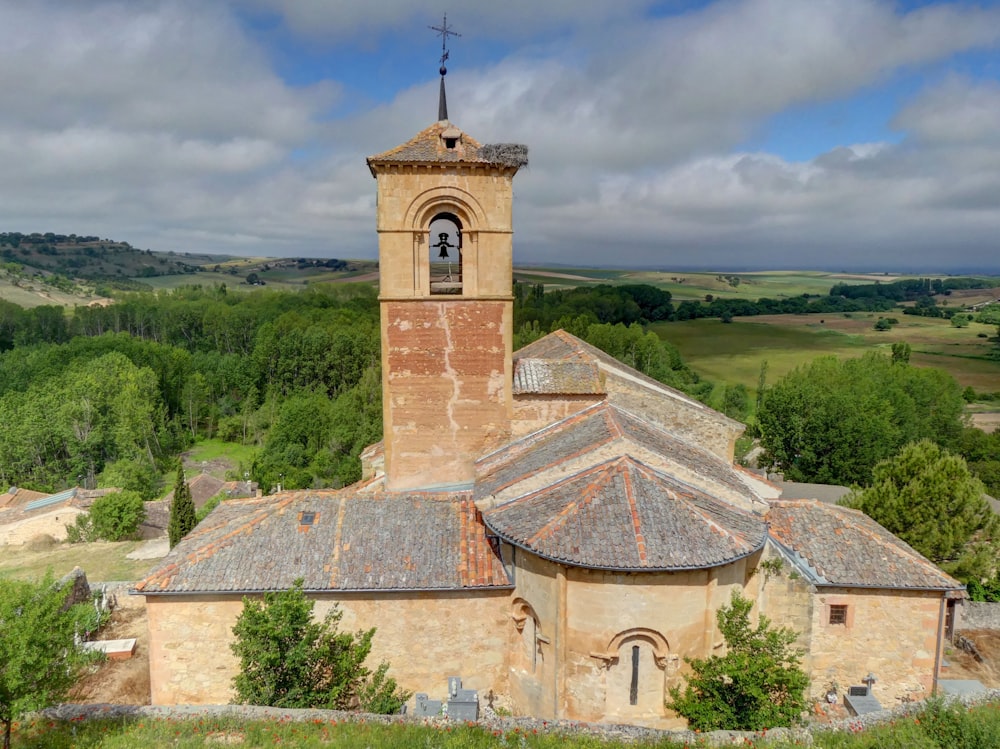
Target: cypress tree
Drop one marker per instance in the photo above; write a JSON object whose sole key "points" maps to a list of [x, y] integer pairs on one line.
{"points": [[182, 512]]}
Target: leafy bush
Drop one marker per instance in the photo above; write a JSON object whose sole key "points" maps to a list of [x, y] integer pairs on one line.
{"points": [[757, 684], [113, 517], [117, 516], [289, 660]]}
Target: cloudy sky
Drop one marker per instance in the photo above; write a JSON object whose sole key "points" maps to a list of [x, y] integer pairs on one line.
{"points": [[736, 134]]}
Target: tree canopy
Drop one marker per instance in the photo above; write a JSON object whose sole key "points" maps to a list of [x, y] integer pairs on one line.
{"points": [[39, 659], [832, 420], [927, 497]]}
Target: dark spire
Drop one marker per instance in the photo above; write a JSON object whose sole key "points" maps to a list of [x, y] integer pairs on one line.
{"points": [[442, 98], [444, 31]]}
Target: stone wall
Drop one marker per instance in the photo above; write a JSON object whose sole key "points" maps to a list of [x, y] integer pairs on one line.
{"points": [[446, 375], [890, 634], [533, 412], [592, 623], [978, 615], [52, 523], [426, 637], [787, 600], [673, 412]]}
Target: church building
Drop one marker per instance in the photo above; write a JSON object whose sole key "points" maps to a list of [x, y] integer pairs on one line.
{"points": [[548, 524]]}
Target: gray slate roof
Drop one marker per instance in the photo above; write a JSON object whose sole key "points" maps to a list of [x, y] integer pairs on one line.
{"points": [[560, 345], [556, 377], [623, 515], [838, 546], [586, 431], [363, 543]]}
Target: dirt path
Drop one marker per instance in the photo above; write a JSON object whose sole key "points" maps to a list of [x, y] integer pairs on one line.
{"points": [[120, 682], [989, 422]]}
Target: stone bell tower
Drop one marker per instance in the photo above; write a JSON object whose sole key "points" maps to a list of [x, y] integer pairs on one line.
{"points": [[445, 262]]}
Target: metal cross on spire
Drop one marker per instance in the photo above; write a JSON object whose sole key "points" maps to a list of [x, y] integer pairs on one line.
{"points": [[444, 31]]}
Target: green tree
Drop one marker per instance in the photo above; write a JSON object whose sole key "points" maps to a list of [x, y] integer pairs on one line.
{"points": [[901, 352], [39, 660], [182, 513], [139, 476], [289, 660], [117, 516], [833, 420], [758, 683], [928, 497]]}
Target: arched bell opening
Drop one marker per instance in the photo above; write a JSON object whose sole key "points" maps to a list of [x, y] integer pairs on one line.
{"points": [[445, 248]]}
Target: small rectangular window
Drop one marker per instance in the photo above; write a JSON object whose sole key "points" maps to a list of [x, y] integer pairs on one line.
{"points": [[633, 689], [838, 614]]}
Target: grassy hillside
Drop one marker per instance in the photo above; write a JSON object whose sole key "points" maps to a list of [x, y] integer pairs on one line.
{"points": [[695, 285], [734, 352]]}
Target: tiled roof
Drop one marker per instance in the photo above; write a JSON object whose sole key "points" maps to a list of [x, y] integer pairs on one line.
{"points": [[561, 345], [589, 430], [623, 515], [428, 146], [362, 543], [556, 377], [835, 545], [16, 497]]}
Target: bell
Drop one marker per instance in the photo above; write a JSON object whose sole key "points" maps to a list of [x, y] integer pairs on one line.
{"points": [[444, 244]]}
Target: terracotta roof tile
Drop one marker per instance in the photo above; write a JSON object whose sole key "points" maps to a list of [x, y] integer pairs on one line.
{"points": [[428, 146], [838, 546], [387, 542], [624, 515]]}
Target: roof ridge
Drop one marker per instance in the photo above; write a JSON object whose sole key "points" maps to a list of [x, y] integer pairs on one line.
{"points": [[585, 498], [640, 539]]}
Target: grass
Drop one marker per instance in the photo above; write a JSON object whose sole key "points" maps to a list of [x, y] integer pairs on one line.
{"points": [[734, 352], [937, 726], [212, 450], [102, 561]]}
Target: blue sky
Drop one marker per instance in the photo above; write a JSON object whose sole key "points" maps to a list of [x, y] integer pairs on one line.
{"points": [[840, 134]]}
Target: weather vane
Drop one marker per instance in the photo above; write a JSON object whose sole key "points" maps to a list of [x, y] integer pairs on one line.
{"points": [[444, 31]]}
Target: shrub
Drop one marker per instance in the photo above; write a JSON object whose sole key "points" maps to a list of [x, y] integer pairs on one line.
{"points": [[757, 684], [289, 660], [117, 516]]}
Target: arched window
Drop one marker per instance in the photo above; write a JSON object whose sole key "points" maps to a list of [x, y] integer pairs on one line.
{"points": [[636, 660], [528, 655], [445, 247]]}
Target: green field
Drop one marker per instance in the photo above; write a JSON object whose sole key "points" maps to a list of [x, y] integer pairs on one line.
{"points": [[734, 352], [102, 561], [685, 285]]}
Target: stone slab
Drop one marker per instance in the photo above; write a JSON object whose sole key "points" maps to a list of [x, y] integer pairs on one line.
{"points": [[961, 687], [116, 650]]}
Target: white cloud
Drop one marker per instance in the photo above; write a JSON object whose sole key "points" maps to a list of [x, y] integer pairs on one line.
{"points": [[166, 124]]}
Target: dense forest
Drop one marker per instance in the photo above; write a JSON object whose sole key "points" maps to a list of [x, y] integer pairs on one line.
{"points": [[108, 395]]}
